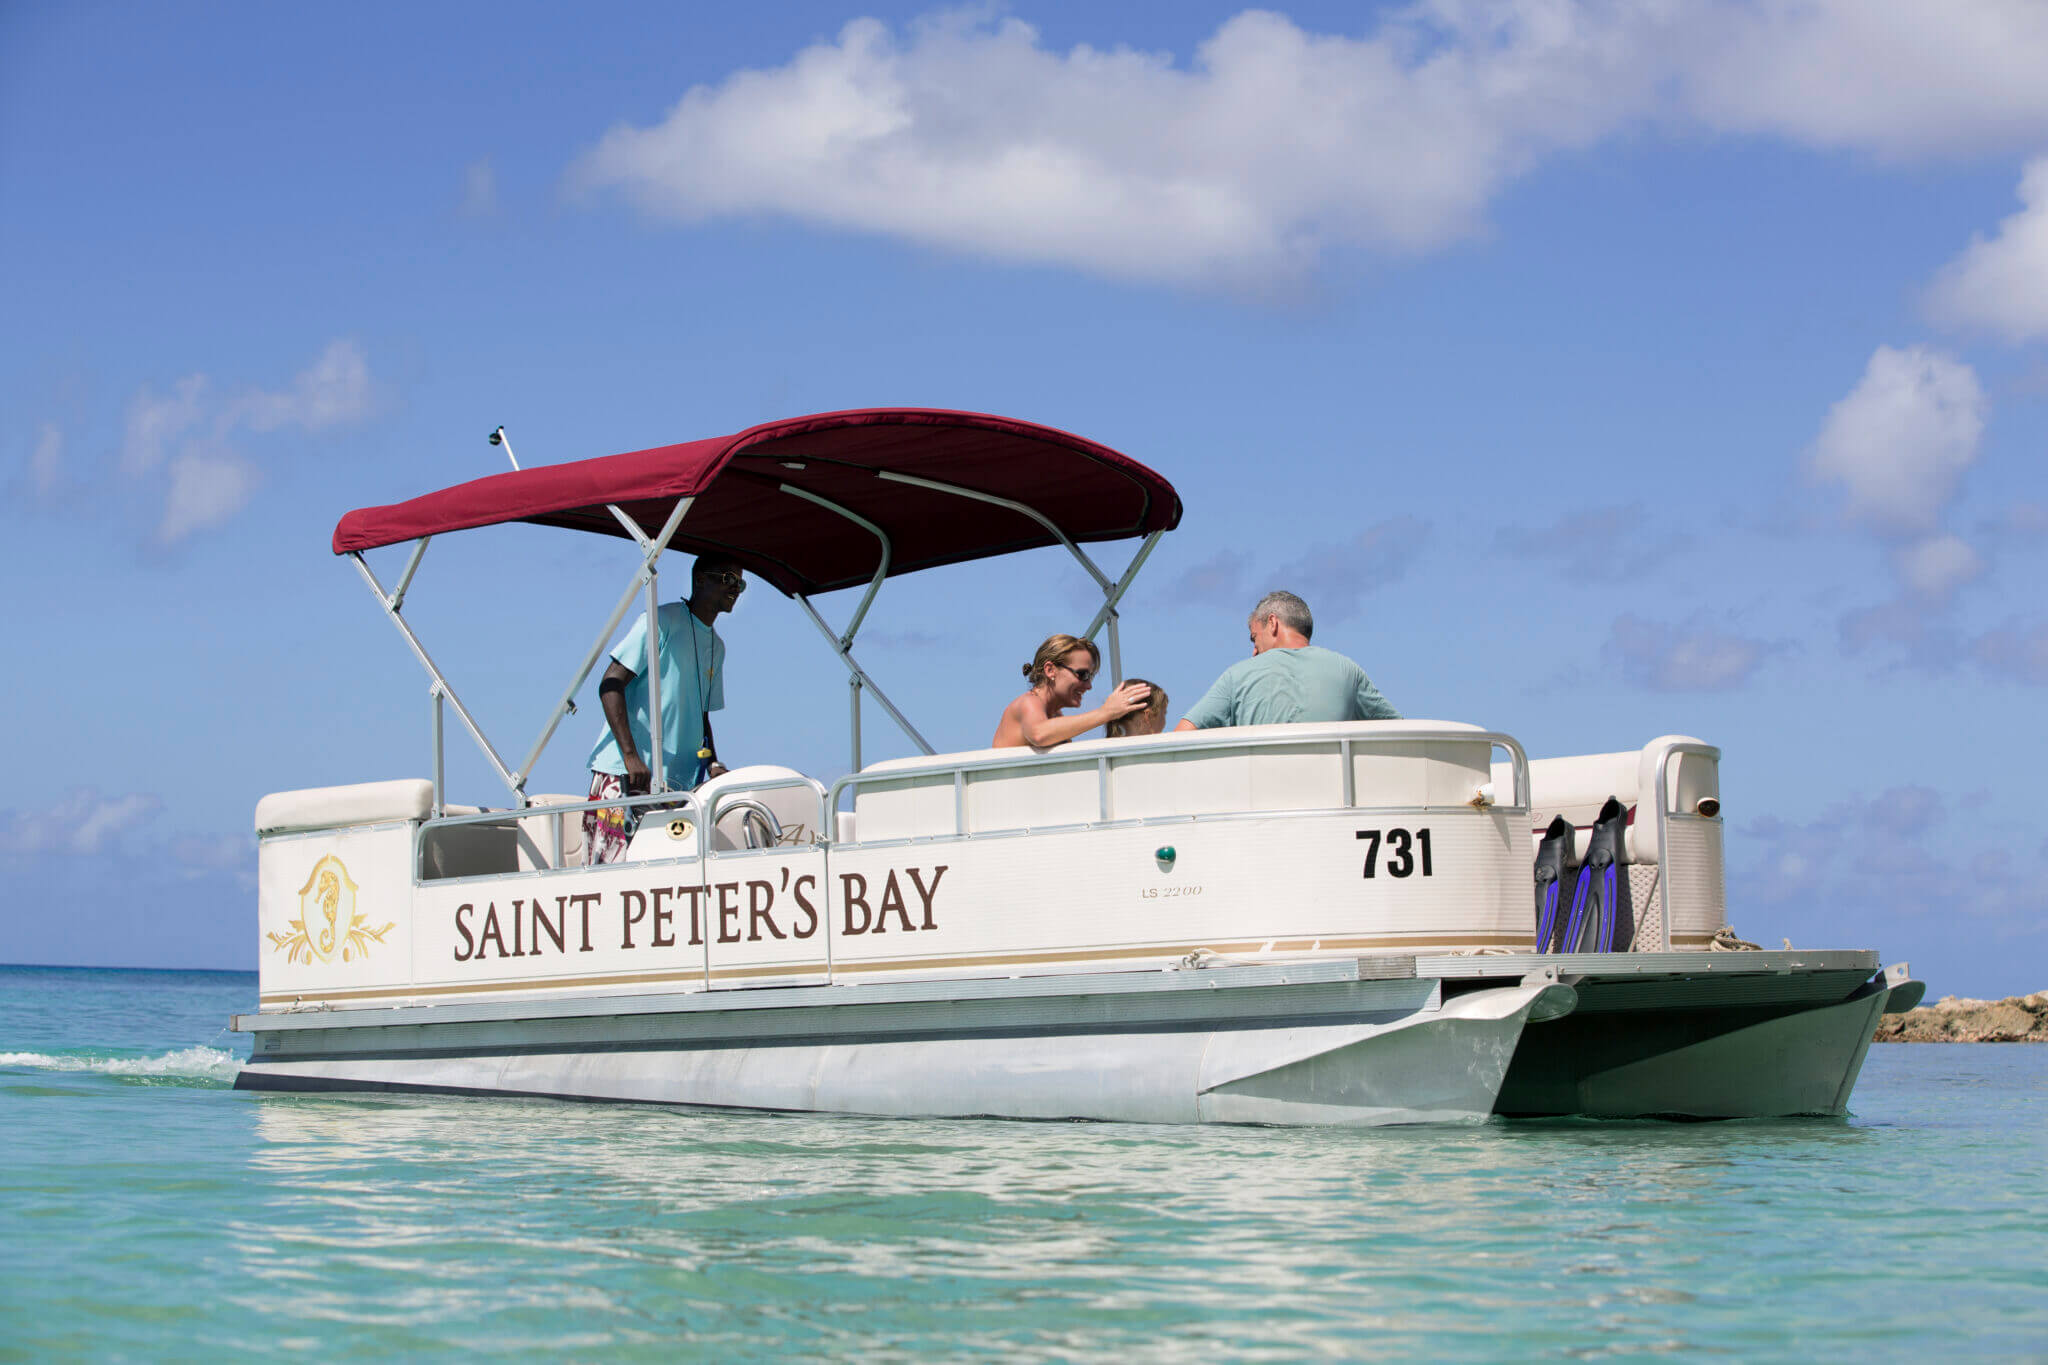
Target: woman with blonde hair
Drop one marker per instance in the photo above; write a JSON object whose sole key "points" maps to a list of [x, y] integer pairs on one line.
{"points": [[1060, 674]]}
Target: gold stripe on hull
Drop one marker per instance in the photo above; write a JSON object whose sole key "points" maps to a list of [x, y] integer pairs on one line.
{"points": [[1438, 942]]}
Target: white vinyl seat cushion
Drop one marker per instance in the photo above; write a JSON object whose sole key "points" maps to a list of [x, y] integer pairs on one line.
{"points": [[363, 803], [1236, 769], [536, 826], [1577, 786], [796, 808]]}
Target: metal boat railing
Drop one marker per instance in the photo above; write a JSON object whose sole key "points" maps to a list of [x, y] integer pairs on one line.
{"points": [[1662, 794], [727, 799], [1347, 746]]}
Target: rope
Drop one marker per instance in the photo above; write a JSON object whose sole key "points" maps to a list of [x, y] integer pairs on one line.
{"points": [[1726, 940], [1201, 959], [702, 685]]}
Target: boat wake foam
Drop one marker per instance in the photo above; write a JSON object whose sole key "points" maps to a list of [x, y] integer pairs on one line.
{"points": [[185, 1064]]}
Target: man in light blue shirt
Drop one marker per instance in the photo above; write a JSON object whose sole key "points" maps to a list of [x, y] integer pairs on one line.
{"points": [[1287, 679], [692, 659]]}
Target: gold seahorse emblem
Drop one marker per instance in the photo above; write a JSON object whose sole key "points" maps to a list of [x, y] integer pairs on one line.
{"points": [[329, 923]]}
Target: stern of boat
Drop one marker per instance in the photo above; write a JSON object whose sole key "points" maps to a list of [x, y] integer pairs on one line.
{"points": [[1706, 1036]]}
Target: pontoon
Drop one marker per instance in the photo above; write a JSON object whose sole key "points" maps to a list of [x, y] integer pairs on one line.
{"points": [[1290, 924]]}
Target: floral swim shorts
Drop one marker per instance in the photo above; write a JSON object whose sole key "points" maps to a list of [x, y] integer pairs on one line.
{"points": [[607, 830]]}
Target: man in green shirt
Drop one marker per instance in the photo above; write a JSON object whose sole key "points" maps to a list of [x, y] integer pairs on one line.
{"points": [[1287, 679]]}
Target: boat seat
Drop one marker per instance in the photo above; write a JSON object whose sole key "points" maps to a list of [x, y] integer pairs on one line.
{"points": [[795, 808], [515, 843], [535, 846], [361, 803], [1576, 787], [1241, 769]]}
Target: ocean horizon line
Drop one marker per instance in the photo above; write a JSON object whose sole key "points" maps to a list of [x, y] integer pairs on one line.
{"points": [[102, 967]]}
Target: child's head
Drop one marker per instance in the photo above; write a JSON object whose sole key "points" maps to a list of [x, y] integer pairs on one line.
{"points": [[1148, 720]]}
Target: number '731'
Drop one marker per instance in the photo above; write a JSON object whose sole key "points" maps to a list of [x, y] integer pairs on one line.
{"points": [[1402, 848]]}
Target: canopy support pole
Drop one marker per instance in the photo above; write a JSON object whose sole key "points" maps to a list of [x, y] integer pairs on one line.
{"points": [[632, 526], [842, 644], [881, 571], [1108, 613], [853, 724], [862, 679], [641, 576], [657, 768], [440, 754], [385, 600], [1112, 592], [1023, 509], [412, 566]]}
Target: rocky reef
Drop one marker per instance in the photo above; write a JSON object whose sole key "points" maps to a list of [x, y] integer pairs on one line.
{"points": [[1952, 1019]]}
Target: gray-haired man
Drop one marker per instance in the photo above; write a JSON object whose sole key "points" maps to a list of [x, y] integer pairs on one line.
{"points": [[1287, 679]]}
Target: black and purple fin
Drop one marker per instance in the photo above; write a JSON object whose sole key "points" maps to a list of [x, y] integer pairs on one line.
{"points": [[1553, 874], [1602, 920]]}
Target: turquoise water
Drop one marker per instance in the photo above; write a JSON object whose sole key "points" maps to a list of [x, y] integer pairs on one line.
{"points": [[148, 1211]]}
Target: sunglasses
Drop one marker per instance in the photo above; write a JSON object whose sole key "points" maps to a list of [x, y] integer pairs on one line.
{"points": [[734, 580], [1080, 674]]}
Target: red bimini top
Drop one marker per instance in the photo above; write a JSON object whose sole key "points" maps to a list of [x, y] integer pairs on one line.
{"points": [[745, 507]]}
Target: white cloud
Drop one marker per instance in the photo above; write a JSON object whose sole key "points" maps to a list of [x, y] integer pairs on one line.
{"points": [[1273, 143], [112, 831], [1900, 440], [1335, 578], [206, 489], [208, 479], [1217, 579], [80, 821], [1696, 656], [46, 461], [154, 423], [1932, 569], [1897, 445], [1605, 544], [480, 189], [200, 854], [1899, 78], [214, 850], [1915, 628], [335, 388], [2023, 520], [2019, 652], [2001, 285], [1895, 852]]}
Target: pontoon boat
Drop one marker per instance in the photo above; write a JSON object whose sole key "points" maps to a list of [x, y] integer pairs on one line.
{"points": [[1290, 924]]}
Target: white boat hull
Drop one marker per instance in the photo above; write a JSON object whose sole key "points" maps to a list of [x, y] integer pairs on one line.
{"points": [[1440, 1063], [1343, 1043]]}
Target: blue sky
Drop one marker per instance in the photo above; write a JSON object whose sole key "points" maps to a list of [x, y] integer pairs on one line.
{"points": [[1597, 371]]}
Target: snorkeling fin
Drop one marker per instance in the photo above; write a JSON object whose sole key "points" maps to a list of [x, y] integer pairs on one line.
{"points": [[1553, 875], [1602, 921]]}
